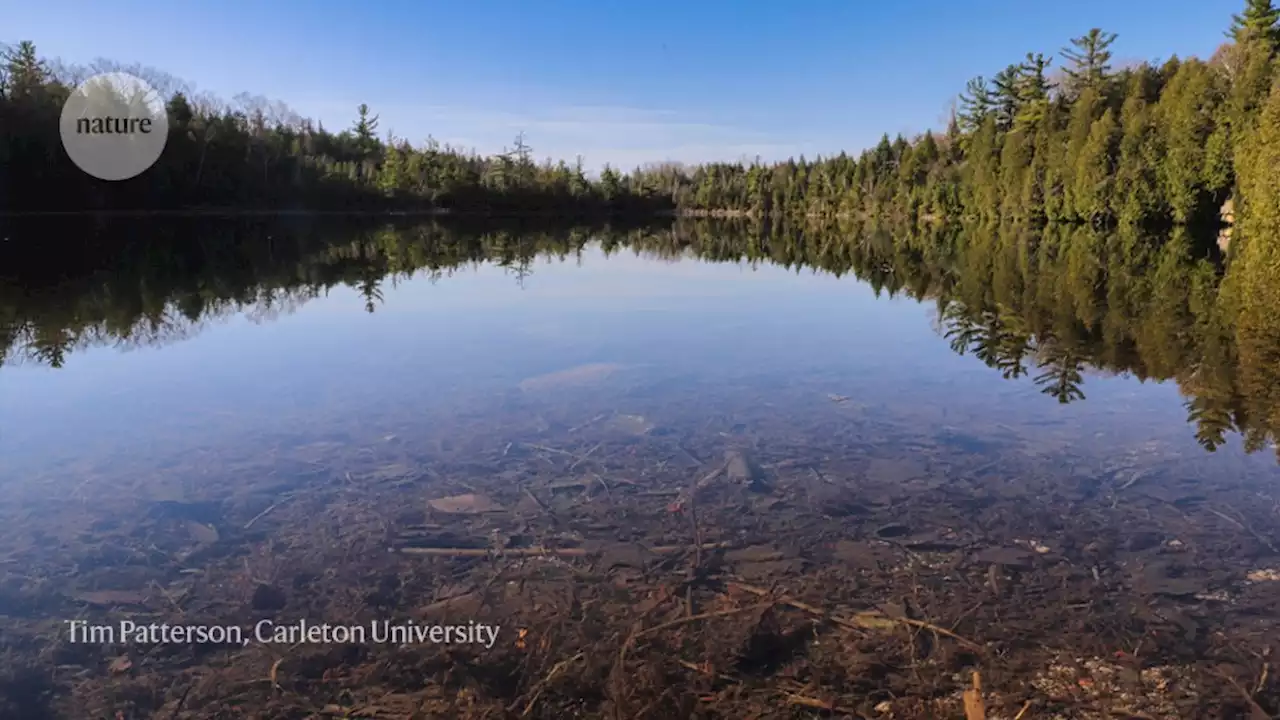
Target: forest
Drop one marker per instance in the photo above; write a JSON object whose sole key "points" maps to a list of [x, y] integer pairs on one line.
{"points": [[1066, 138], [1117, 177], [256, 154]]}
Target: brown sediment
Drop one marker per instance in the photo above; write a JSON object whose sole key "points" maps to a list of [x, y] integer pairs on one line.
{"points": [[642, 566]]}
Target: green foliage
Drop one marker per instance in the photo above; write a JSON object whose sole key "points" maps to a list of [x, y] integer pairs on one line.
{"points": [[1149, 144], [1095, 174], [1089, 61], [260, 154], [1260, 22], [1007, 92], [1186, 117], [976, 102], [1138, 198], [1259, 177], [1015, 161]]}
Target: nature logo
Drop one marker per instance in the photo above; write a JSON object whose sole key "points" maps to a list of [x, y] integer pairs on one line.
{"points": [[114, 126]]}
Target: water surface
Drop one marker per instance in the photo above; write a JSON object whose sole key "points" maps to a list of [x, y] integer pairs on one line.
{"points": [[1055, 444]]}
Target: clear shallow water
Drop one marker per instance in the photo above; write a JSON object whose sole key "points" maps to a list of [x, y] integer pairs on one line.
{"points": [[243, 462], [697, 339]]}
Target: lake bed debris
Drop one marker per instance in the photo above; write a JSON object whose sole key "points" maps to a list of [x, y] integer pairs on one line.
{"points": [[642, 567]]}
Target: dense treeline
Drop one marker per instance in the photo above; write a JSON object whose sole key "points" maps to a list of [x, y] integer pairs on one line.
{"points": [[1088, 142], [1050, 304], [1082, 141], [253, 153]]}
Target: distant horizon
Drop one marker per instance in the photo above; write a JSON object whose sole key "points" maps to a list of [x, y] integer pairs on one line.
{"points": [[664, 84]]}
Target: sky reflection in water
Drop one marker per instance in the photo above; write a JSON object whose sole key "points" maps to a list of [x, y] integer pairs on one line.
{"points": [[462, 341]]}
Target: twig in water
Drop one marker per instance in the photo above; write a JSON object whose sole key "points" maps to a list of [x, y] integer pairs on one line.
{"points": [[701, 485], [540, 551], [536, 501], [181, 701], [701, 616], [608, 491], [167, 596], [637, 634], [1246, 528], [263, 514], [542, 684], [588, 423], [974, 708], [811, 703], [579, 461], [273, 675], [1256, 711], [620, 665], [704, 671], [544, 448], [855, 624]]}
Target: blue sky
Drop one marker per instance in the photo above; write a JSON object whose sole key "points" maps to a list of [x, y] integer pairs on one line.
{"points": [[615, 81]]}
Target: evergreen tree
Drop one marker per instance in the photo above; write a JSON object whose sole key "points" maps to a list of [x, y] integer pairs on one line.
{"points": [[1185, 116], [1034, 82], [1252, 68], [1015, 158], [1033, 90], [1260, 180], [1086, 110], [1088, 60], [1137, 187], [983, 171], [1095, 174], [1035, 184], [1260, 22], [1007, 96], [976, 103], [364, 128], [24, 72]]}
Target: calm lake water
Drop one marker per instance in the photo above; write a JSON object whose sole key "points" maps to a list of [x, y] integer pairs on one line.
{"points": [[689, 340], [1040, 441]]}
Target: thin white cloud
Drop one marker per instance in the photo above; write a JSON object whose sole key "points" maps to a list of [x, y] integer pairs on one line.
{"points": [[621, 136]]}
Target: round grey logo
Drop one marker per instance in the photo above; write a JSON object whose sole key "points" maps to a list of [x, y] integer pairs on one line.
{"points": [[114, 126]]}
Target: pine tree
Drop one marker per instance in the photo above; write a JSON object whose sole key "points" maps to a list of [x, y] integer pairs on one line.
{"points": [[1006, 89], [1035, 184], [1260, 21], [1137, 187], [983, 171], [1015, 157], [1185, 115], [976, 102], [1034, 82], [1254, 276], [1084, 112], [1252, 67], [1056, 173], [1033, 91], [927, 153], [1259, 179], [364, 127], [611, 184], [1095, 171], [953, 150], [24, 72], [1089, 61]]}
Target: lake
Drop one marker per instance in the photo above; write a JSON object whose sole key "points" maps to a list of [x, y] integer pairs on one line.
{"points": [[1038, 455]]}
